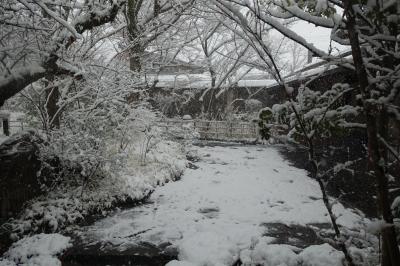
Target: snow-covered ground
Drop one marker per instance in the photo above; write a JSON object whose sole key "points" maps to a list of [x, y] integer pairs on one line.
{"points": [[217, 214]]}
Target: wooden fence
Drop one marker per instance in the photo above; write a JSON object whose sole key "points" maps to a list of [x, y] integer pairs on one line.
{"points": [[218, 130], [11, 127]]}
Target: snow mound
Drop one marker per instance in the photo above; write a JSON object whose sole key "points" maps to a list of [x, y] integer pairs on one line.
{"points": [[274, 255], [347, 217], [207, 248], [323, 254], [37, 250], [198, 251], [283, 255], [179, 263]]}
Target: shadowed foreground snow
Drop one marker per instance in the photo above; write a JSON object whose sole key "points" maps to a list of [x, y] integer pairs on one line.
{"points": [[215, 214]]}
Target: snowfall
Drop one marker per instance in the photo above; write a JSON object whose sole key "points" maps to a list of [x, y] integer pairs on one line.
{"points": [[215, 215]]}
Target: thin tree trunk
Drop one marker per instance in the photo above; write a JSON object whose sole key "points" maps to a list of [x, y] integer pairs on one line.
{"points": [[315, 175], [52, 107], [136, 52], [135, 60], [390, 250]]}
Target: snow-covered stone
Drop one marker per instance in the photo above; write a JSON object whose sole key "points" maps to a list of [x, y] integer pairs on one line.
{"points": [[269, 254], [323, 254], [187, 117]]}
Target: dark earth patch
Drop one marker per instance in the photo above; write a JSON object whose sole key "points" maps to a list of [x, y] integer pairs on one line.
{"points": [[296, 235]]}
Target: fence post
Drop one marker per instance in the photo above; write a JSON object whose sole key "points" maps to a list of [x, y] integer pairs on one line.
{"points": [[5, 117], [6, 127]]}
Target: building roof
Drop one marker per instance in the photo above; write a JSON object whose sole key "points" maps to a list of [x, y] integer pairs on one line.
{"points": [[201, 81]]}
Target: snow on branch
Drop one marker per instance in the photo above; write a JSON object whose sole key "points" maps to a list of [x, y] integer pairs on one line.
{"points": [[295, 10], [96, 18], [58, 19], [15, 81], [19, 79], [285, 31]]}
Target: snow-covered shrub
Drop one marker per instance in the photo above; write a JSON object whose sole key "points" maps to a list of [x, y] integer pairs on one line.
{"points": [[106, 151], [184, 131], [264, 122], [252, 105], [69, 203], [396, 207], [315, 113], [37, 250], [172, 102]]}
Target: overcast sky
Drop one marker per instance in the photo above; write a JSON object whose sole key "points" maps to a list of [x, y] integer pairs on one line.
{"points": [[319, 36]]}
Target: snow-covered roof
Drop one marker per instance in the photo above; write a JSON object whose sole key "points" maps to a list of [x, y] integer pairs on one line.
{"points": [[256, 83], [255, 78], [200, 81], [182, 81], [317, 66]]}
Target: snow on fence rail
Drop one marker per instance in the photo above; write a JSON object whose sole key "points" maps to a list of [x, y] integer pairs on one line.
{"points": [[218, 130]]}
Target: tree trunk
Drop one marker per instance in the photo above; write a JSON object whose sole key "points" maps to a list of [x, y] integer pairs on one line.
{"points": [[135, 58], [390, 250], [137, 50], [6, 126], [53, 116], [157, 8]]}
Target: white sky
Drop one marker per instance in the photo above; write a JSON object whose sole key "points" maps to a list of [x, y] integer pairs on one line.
{"points": [[319, 36]]}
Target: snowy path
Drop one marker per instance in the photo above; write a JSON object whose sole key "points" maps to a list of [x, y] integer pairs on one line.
{"points": [[219, 209]]}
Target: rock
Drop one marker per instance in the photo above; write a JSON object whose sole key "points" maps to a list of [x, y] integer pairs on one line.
{"points": [[19, 165], [143, 254]]}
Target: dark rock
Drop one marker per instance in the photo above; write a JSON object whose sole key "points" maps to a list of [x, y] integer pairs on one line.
{"points": [[138, 254], [192, 158], [19, 168], [192, 166], [209, 212]]}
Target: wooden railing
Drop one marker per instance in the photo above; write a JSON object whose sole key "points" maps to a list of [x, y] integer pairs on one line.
{"points": [[207, 129], [14, 126], [218, 130]]}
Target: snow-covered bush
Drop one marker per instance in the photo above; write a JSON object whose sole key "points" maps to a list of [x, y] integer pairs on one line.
{"points": [[252, 105], [105, 151], [37, 250], [172, 102], [70, 203], [264, 122], [396, 207], [314, 113]]}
